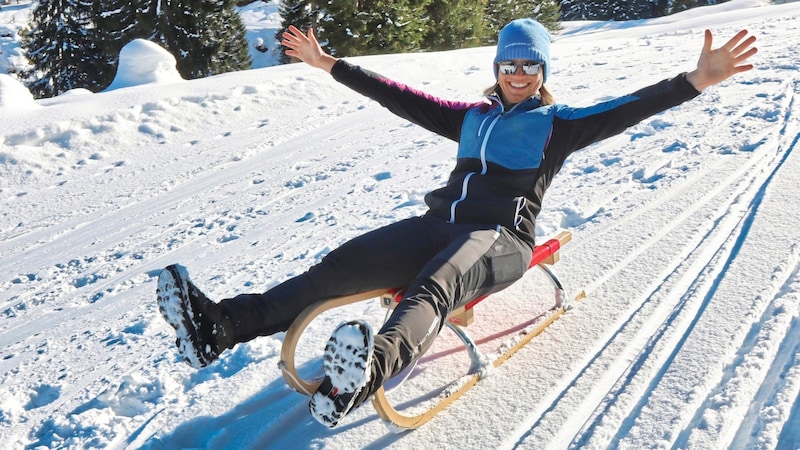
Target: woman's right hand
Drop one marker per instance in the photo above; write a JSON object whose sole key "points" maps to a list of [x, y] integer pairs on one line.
{"points": [[306, 48]]}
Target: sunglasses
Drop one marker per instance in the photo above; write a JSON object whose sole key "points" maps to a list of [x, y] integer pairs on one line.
{"points": [[510, 67]]}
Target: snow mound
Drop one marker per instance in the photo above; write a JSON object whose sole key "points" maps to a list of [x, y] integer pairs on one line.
{"points": [[14, 94], [144, 62]]}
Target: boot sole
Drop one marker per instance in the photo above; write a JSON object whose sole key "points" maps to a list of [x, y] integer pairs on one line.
{"points": [[344, 351], [173, 302]]}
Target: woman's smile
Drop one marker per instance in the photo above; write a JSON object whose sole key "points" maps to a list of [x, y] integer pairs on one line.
{"points": [[518, 87]]}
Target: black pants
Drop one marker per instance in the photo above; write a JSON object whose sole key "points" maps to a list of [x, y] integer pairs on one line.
{"points": [[442, 265]]}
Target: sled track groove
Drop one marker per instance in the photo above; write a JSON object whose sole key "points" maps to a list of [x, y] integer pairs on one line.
{"points": [[162, 227], [731, 224], [729, 252], [171, 221], [616, 231]]}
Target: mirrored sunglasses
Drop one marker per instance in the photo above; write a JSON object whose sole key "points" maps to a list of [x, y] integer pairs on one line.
{"points": [[510, 67]]}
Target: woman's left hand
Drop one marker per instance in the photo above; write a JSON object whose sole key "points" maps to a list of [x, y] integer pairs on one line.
{"points": [[717, 65]]}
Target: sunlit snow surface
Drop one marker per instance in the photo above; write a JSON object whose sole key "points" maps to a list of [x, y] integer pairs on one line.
{"points": [[686, 241]]}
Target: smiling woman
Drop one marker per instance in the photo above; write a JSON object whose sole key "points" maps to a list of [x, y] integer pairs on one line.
{"points": [[477, 236]]}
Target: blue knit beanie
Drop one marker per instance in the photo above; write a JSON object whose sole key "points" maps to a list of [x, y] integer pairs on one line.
{"points": [[524, 39]]}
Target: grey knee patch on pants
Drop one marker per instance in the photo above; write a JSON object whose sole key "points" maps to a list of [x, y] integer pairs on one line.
{"points": [[507, 268]]}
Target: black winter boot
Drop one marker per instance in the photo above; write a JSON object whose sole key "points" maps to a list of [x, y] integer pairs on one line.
{"points": [[203, 328]]}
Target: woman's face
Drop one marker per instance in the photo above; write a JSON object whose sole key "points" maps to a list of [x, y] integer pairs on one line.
{"points": [[515, 83]]}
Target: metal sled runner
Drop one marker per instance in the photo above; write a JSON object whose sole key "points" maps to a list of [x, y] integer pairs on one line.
{"points": [[544, 255]]}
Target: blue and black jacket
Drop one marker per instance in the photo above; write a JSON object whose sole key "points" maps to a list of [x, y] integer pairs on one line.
{"points": [[508, 158]]}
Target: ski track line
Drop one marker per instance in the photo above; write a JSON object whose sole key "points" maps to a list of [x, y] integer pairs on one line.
{"points": [[595, 403], [622, 149], [773, 401], [631, 259], [752, 346], [58, 321], [158, 418], [735, 243], [178, 153], [723, 124], [647, 352], [131, 217], [62, 319], [766, 355], [195, 182], [752, 165], [569, 249], [324, 198], [769, 419], [109, 284]]}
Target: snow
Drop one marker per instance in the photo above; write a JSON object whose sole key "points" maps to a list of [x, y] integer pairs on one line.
{"points": [[14, 94], [685, 241], [143, 62]]}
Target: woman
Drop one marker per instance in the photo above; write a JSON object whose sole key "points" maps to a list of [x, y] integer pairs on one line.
{"points": [[478, 234]]}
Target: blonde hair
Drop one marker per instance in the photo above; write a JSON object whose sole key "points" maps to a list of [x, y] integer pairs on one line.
{"points": [[544, 93]]}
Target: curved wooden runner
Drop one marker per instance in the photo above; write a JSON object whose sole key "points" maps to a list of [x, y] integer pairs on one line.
{"points": [[299, 325], [387, 412]]}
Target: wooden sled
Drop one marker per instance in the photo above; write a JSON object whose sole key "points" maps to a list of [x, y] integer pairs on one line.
{"points": [[544, 255]]}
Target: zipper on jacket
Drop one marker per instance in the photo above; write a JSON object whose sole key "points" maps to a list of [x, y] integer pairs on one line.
{"points": [[484, 165], [464, 186], [520, 201]]}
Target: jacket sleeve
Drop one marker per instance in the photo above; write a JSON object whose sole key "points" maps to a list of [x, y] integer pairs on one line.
{"points": [[575, 128], [437, 115]]}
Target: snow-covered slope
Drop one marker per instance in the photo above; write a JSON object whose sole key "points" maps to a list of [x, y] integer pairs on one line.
{"points": [[686, 241]]}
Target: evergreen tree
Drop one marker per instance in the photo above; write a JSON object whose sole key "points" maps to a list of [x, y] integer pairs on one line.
{"points": [[580, 9], [500, 12], [347, 27], [454, 24], [627, 10], [373, 26], [632, 10], [620, 9], [301, 13], [222, 43], [60, 44], [682, 5], [76, 43], [116, 24], [548, 13], [201, 34], [654, 8], [147, 13]]}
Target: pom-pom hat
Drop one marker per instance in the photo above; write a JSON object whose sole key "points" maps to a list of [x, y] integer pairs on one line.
{"points": [[524, 39]]}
